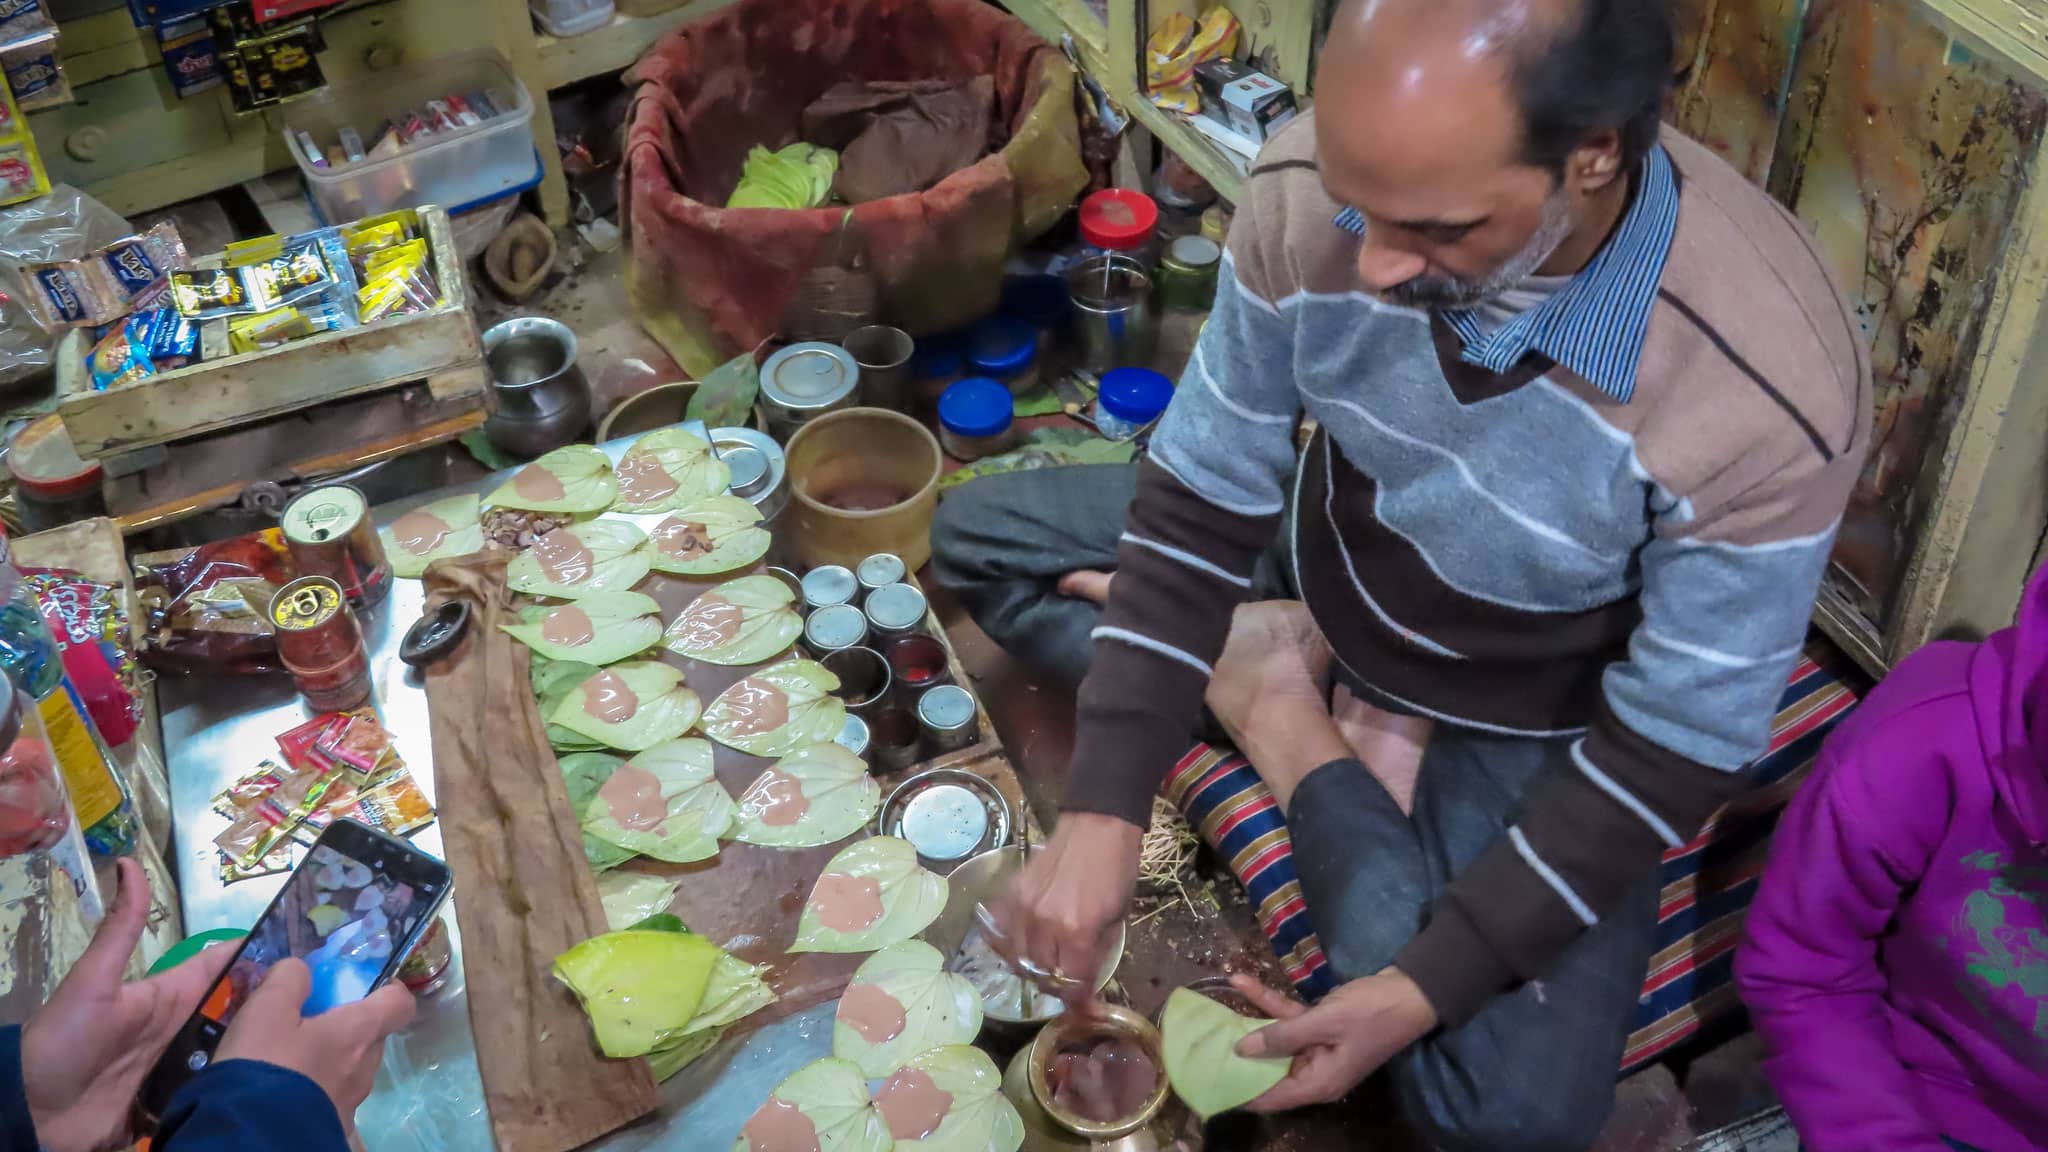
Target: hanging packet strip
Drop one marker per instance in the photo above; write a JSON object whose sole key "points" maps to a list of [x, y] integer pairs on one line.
{"points": [[128, 275], [299, 274], [34, 72]]}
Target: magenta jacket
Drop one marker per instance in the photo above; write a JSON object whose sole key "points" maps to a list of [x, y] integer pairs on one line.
{"points": [[1896, 961]]}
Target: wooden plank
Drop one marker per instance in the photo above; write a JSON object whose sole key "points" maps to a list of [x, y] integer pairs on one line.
{"points": [[614, 47], [1202, 155]]}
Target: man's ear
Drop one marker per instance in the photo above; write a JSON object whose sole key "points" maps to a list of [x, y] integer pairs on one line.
{"points": [[1595, 164]]}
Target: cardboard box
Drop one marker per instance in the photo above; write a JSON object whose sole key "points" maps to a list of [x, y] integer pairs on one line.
{"points": [[1243, 97]]}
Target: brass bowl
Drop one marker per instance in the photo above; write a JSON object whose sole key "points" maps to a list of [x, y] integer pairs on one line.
{"points": [[1110, 1019], [984, 878]]}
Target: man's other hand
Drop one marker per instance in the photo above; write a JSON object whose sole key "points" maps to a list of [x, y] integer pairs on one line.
{"points": [[1059, 910], [1337, 1043], [339, 1050]]}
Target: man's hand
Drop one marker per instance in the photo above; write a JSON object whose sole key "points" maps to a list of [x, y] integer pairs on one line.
{"points": [[339, 1049], [1058, 912], [85, 1053], [1337, 1043]]}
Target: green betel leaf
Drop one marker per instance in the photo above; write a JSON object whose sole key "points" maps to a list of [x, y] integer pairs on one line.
{"points": [[813, 796], [742, 621], [631, 706], [582, 560], [824, 1105], [601, 628], [778, 710], [873, 894], [725, 398], [669, 468], [444, 528], [713, 535], [583, 773], [638, 987], [577, 480], [663, 803], [736, 990], [901, 1002], [977, 1117], [552, 679], [631, 897], [1200, 1038]]}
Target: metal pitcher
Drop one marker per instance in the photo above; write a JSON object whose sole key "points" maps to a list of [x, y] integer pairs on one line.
{"points": [[539, 400]]}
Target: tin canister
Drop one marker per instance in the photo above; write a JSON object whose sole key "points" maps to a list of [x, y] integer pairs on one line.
{"points": [[758, 470], [945, 715], [879, 571], [319, 643], [895, 609], [328, 532], [804, 381], [947, 814], [827, 585], [853, 736], [833, 627]]}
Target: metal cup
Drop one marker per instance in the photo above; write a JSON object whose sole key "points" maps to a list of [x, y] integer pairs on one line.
{"points": [[946, 715], [894, 741], [1114, 324], [863, 678], [883, 354]]}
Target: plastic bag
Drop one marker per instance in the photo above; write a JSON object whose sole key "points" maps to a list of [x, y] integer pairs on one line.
{"points": [[64, 225], [1176, 46]]}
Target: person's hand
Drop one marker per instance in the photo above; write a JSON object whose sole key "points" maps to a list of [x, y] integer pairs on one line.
{"points": [[339, 1050], [1058, 912], [1337, 1043], [85, 1053]]}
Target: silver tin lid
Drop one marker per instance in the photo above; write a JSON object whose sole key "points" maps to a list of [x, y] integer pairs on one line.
{"points": [[896, 608], [947, 708], [853, 736], [756, 463], [835, 626], [829, 585], [947, 814], [809, 377], [880, 570]]}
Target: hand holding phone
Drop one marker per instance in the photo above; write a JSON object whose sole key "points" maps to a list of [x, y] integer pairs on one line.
{"points": [[339, 1049]]}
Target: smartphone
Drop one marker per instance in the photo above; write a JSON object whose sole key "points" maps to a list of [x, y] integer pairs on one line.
{"points": [[352, 910]]}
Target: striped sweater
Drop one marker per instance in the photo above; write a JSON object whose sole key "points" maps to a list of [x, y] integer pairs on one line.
{"points": [[1626, 562]]}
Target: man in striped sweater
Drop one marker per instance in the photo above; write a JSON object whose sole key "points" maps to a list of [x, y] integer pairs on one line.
{"points": [[1588, 409]]}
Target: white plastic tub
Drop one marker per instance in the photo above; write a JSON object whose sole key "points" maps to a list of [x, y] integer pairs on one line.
{"points": [[449, 168], [560, 18]]}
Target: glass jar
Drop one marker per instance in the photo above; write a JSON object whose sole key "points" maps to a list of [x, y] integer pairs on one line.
{"points": [[1130, 401], [976, 419], [1005, 349]]}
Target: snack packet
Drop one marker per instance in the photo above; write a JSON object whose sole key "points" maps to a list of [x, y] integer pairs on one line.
{"points": [[359, 745]]}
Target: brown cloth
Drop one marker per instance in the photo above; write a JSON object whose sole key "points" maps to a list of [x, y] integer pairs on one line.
{"points": [[895, 137], [523, 889]]}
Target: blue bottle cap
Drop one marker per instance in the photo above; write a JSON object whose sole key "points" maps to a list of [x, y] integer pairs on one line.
{"points": [[975, 407], [1135, 395], [1003, 346]]}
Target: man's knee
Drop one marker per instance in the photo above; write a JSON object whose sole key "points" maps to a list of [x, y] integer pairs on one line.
{"points": [[1538, 1106]]}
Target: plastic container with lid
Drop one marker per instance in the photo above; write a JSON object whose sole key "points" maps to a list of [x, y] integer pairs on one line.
{"points": [[1129, 401], [52, 484], [804, 381], [570, 17], [1121, 220], [937, 363], [1005, 349], [976, 419], [1187, 274]]}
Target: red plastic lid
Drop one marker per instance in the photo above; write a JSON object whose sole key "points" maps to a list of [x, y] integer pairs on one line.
{"points": [[1118, 219], [45, 464]]}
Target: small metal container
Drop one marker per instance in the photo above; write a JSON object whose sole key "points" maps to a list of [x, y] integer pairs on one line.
{"points": [[947, 814], [1114, 324], [757, 467], [1187, 274], [879, 571], [804, 381], [853, 736], [833, 627], [794, 582], [328, 532], [946, 717], [863, 678], [539, 399], [894, 741], [827, 585], [883, 354], [917, 662], [895, 609]]}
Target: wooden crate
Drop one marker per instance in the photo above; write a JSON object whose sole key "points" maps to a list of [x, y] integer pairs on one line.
{"points": [[439, 346]]}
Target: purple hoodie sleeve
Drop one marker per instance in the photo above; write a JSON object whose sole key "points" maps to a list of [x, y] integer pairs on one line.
{"points": [[1808, 966]]}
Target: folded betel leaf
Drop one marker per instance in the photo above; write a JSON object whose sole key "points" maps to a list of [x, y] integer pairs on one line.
{"points": [[901, 1002], [713, 535], [601, 628], [949, 1099], [553, 680], [583, 773], [449, 527], [577, 480], [736, 990], [822, 1107], [1199, 1038], [638, 988], [582, 560], [873, 894], [813, 796], [629, 898], [630, 706], [669, 468], [664, 803], [742, 621], [778, 710]]}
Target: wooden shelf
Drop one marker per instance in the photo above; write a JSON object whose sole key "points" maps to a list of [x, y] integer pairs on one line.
{"points": [[1205, 156], [568, 59]]}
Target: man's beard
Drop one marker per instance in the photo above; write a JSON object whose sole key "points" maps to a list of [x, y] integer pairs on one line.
{"points": [[1440, 293]]}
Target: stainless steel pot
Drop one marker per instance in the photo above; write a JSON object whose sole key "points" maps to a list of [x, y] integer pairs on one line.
{"points": [[539, 400]]}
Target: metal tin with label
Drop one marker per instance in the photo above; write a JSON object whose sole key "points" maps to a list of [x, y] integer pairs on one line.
{"points": [[328, 533], [804, 381], [896, 609], [828, 585], [835, 626], [879, 571], [947, 814], [946, 716]]}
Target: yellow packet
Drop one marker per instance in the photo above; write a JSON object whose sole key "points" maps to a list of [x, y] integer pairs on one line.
{"points": [[369, 241], [396, 261], [243, 253], [267, 330], [1176, 46], [405, 220]]}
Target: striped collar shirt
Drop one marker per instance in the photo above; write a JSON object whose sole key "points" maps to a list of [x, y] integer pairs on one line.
{"points": [[1596, 324]]}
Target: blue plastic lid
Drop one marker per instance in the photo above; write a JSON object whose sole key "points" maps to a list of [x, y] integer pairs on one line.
{"points": [[1136, 395], [938, 357], [976, 406], [1003, 345]]}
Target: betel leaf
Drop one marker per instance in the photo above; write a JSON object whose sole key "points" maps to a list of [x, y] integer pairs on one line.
{"points": [[742, 621], [669, 468], [582, 560], [630, 706], [417, 538], [978, 1117], [552, 681], [583, 773], [598, 629], [735, 990], [576, 479], [660, 922], [871, 895], [1199, 1037], [664, 802], [823, 1104], [638, 988], [630, 898], [713, 535], [725, 398], [901, 1002], [778, 710], [813, 796]]}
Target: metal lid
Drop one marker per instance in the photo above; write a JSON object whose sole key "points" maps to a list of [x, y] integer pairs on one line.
{"points": [[748, 468], [947, 814], [754, 459], [947, 708], [880, 570], [829, 585], [322, 514], [853, 735], [896, 607], [835, 626], [1194, 252], [305, 603], [809, 376]]}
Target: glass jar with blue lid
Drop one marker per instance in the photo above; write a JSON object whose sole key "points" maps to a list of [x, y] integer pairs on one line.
{"points": [[1004, 348], [1129, 401], [976, 419]]}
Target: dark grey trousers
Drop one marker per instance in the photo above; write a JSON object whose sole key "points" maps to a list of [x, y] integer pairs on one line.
{"points": [[1535, 1070]]}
